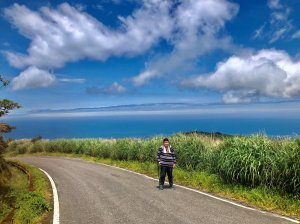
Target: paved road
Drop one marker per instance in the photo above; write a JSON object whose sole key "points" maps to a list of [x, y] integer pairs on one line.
{"points": [[93, 193]]}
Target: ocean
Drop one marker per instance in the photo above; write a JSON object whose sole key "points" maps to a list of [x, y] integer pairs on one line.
{"points": [[147, 126]]}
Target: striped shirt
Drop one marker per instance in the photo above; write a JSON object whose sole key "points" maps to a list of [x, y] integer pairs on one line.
{"points": [[166, 158]]}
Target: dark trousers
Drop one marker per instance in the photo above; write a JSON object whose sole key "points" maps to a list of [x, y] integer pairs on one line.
{"points": [[163, 171]]}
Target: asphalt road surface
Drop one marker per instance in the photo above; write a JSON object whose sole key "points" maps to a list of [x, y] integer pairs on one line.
{"points": [[94, 193]]}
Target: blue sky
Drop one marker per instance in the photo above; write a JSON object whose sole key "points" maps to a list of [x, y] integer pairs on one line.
{"points": [[81, 54]]}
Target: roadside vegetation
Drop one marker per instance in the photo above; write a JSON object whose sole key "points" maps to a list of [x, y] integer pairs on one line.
{"points": [[5, 106], [253, 170], [25, 197], [24, 190]]}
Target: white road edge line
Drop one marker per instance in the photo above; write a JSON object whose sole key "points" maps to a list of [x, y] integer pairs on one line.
{"points": [[55, 199], [206, 194]]}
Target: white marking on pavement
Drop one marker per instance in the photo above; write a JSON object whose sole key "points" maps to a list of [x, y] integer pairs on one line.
{"points": [[55, 199], [206, 194]]}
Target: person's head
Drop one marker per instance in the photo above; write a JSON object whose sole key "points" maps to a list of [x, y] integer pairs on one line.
{"points": [[166, 142]]}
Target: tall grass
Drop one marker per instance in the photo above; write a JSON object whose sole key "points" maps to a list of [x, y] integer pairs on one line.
{"points": [[4, 171], [251, 161], [258, 161]]}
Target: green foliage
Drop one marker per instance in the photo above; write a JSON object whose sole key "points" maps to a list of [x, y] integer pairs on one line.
{"points": [[30, 205], [192, 153], [5, 106], [24, 147], [259, 161], [3, 81], [3, 144], [5, 173], [5, 128], [251, 161], [37, 138]]}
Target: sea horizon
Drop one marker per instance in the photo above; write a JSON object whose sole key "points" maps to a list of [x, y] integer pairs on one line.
{"points": [[147, 126]]}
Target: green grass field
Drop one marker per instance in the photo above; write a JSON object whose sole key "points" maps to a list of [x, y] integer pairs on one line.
{"points": [[21, 204], [254, 170]]}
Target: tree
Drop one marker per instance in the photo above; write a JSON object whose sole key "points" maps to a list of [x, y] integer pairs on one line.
{"points": [[5, 106]]}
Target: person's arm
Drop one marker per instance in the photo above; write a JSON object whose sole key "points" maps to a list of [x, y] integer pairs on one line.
{"points": [[174, 158], [158, 155]]}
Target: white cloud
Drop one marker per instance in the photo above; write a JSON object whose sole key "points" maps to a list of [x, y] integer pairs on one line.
{"points": [[66, 34], [143, 77], [80, 7], [274, 4], [33, 77], [289, 109], [258, 33], [114, 89], [279, 25], [117, 2], [196, 32], [268, 73], [240, 96], [6, 44], [117, 88], [296, 34], [280, 33], [72, 80], [280, 15]]}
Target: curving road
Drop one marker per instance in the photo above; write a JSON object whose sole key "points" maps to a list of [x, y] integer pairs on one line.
{"points": [[94, 193]]}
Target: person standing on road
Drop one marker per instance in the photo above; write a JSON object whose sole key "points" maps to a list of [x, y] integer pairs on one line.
{"points": [[167, 161]]}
